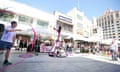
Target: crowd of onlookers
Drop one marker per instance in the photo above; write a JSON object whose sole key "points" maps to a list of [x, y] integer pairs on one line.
{"points": [[20, 44], [42, 46]]}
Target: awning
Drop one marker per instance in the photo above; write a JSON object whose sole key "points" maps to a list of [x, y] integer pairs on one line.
{"points": [[45, 31], [39, 30], [66, 34], [77, 37], [109, 41]]}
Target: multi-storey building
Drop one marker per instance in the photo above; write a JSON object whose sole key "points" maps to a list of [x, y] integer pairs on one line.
{"points": [[110, 23], [65, 22], [73, 23], [96, 31], [81, 24]]}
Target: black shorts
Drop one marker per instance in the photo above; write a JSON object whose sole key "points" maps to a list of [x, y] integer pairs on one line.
{"points": [[5, 45]]}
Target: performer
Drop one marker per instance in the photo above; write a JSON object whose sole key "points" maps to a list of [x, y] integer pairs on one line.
{"points": [[57, 40], [56, 50], [8, 39]]}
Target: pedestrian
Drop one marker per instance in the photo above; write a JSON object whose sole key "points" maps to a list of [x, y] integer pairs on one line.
{"points": [[7, 40], [21, 44], [37, 46], [70, 47], [114, 50], [16, 44]]}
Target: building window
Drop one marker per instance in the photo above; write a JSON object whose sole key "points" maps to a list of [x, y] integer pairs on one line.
{"points": [[108, 17], [79, 17], [117, 21], [117, 14], [112, 25], [94, 31], [113, 33], [113, 28], [118, 31], [42, 23], [111, 16], [104, 18], [118, 27], [112, 21], [5, 19], [25, 19], [108, 22], [5, 15], [102, 23], [105, 23], [117, 24], [65, 27], [110, 37], [98, 23], [79, 26], [114, 37]]}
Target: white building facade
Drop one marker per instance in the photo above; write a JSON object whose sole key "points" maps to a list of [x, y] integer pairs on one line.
{"points": [[74, 24], [28, 17], [81, 24], [66, 22]]}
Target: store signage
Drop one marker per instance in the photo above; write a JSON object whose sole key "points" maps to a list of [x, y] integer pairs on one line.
{"points": [[65, 19]]}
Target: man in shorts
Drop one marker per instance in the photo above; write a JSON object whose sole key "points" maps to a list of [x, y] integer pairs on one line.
{"points": [[7, 40], [114, 50]]}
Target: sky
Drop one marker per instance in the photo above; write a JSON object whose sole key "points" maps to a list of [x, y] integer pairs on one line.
{"points": [[89, 7]]}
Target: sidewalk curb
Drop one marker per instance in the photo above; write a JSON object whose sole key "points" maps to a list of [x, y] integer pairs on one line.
{"points": [[97, 57]]}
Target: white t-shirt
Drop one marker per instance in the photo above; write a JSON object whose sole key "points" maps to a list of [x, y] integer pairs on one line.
{"points": [[8, 36], [114, 47]]}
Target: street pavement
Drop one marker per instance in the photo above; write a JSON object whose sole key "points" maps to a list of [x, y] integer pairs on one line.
{"points": [[72, 63]]}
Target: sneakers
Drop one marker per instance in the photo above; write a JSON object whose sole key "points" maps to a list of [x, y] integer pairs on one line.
{"points": [[6, 62]]}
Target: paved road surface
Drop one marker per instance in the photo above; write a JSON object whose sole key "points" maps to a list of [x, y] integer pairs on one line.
{"points": [[44, 63]]}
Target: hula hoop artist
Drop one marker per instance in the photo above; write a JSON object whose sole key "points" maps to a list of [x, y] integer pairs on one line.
{"points": [[53, 51], [7, 40]]}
